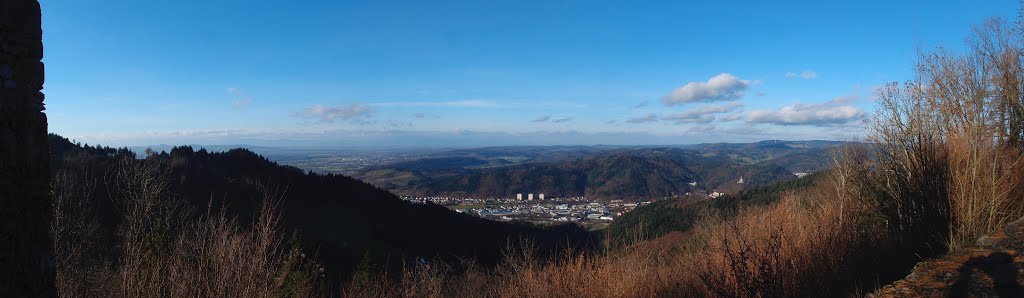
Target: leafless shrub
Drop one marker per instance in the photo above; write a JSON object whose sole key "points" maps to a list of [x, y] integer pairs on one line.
{"points": [[218, 258], [950, 143], [76, 235], [162, 251]]}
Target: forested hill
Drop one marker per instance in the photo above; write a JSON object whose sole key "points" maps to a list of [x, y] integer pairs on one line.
{"points": [[680, 214], [340, 218], [622, 174]]}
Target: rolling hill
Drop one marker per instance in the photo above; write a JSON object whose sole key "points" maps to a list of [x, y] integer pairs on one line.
{"points": [[608, 173], [340, 218]]}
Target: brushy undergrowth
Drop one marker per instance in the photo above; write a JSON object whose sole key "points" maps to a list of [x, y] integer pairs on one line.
{"points": [[161, 249]]}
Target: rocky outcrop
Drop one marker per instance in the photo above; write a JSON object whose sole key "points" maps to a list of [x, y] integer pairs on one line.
{"points": [[993, 268], [25, 246]]}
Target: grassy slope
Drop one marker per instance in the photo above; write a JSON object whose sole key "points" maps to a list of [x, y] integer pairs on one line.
{"points": [[679, 214]]}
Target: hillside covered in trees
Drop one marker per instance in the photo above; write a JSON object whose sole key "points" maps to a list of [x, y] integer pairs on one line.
{"points": [[341, 220], [641, 174], [631, 173], [681, 214]]}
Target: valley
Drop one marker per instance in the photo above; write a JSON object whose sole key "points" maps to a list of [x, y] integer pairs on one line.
{"points": [[587, 185]]}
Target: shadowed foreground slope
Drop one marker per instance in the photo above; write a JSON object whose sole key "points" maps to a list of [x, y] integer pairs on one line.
{"points": [[994, 267]]}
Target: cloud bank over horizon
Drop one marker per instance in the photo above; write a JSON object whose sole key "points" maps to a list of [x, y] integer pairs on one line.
{"points": [[327, 138]]}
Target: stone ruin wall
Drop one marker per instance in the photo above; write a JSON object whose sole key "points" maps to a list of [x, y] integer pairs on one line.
{"points": [[26, 265]]}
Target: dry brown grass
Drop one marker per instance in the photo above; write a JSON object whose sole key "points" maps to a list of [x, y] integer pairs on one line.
{"points": [[807, 244], [629, 273], [804, 246], [799, 246], [950, 143], [162, 251]]}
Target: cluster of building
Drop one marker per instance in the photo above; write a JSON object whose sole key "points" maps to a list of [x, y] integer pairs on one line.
{"points": [[529, 197], [536, 209], [452, 200]]}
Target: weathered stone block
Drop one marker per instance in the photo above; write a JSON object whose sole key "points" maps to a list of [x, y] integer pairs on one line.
{"points": [[26, 250]]}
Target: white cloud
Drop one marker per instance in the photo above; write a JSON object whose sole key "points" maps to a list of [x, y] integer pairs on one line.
{"points": [[649, 117], [703, 114], [328, 114], [640, 105], [807, 74], [731, 117], [723, 87], [233, 90], [837, 111], [243, 103], [717, 132]]}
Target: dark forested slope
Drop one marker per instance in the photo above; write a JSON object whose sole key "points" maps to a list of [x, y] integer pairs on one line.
{"points": [[340, 218], [623, 174]]}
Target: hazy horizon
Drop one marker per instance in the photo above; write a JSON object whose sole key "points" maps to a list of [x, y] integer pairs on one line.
{"points": [[481, 74], [410, 140]]}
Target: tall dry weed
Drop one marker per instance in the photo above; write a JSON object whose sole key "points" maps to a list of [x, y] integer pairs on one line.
{"points": [[161, 250], [950, 142]]}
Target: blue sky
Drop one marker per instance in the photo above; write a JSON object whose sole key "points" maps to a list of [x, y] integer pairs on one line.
{"points": [[477, 73]]}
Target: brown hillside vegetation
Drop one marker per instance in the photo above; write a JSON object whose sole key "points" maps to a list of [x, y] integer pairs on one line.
{"points": [[950, 142], [809, 244]]}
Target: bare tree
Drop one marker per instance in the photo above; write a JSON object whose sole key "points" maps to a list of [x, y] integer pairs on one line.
{"points": [[949, 142]]}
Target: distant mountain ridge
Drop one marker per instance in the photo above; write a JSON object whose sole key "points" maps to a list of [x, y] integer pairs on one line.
{"points": [[607, 173]]}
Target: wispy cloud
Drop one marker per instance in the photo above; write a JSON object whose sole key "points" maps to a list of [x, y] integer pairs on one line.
{"points": [[562, 120], [542, 119], [240, 103], [723, 87], [649, 117], [703, 114], [717, 131], [243, 103], [807, 74], [456, 103], [328, 114], [640, 105], [731, 117], [425, 116], [837, 111]]}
